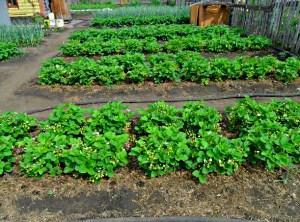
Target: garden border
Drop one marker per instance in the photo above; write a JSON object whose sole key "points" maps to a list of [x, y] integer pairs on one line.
{"points": [[235, 96], [168, 219]]}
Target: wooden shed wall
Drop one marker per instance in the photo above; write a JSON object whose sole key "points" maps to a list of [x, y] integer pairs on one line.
{"points": [[26, 8]]}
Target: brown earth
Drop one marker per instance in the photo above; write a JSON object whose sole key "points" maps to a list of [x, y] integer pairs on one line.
{"points": [[252, 193]]}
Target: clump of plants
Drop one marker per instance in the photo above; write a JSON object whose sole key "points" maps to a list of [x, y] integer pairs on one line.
{"points": [[14, 128], [162, 67], [22, 34], [90, 143], [71, 143], [9, 50]]}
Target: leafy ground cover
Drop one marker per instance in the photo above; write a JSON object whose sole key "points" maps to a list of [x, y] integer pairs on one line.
{"points": [[168, 38], [8, 50], [162, 138], [159, 68]]}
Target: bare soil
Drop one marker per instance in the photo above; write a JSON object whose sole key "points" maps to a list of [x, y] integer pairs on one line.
{"points": [[252, 193]]}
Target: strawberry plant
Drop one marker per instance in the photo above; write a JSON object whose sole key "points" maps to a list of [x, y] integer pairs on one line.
{"points": [[130, 61], [66, 119], [163, 151], [138, 73], [6, 154], [16, 125], [165, 72], [288, 70], [198, 117], [273, 144], [54, 71], [8, 50], [168, 139], [150, 45], [195, 70], [94, 157], [213, 153], [161, 67], [245, 113], [158, 114], [169, 38], [98, 157], [111, 117], [287, 111], [42, 154], [110, 75]]}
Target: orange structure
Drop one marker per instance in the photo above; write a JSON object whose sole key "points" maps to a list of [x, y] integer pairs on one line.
{"points": [[209, 14]]}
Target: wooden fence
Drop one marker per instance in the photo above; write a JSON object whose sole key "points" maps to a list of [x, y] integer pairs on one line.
{"points": [[276, 19]]}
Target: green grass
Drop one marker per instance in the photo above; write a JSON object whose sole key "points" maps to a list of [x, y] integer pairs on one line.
{"points": [[85, 6], [143, 11]]}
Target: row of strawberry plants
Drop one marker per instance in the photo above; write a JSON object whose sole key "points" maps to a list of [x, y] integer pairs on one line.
{"points": [[185, 66], [196, 43], [160, 32], [163, 139], [146, 20]]}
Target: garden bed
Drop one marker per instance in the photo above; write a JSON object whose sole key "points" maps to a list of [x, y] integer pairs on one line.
{"points": [[251, 193], [13, 37], [239, 162], [164, 53]]}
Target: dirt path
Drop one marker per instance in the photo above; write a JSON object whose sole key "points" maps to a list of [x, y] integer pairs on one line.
{"points": [[15, 73]]}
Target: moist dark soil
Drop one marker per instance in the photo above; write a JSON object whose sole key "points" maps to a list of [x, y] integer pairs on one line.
{"points": [[252, 193], [151, 92]]}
